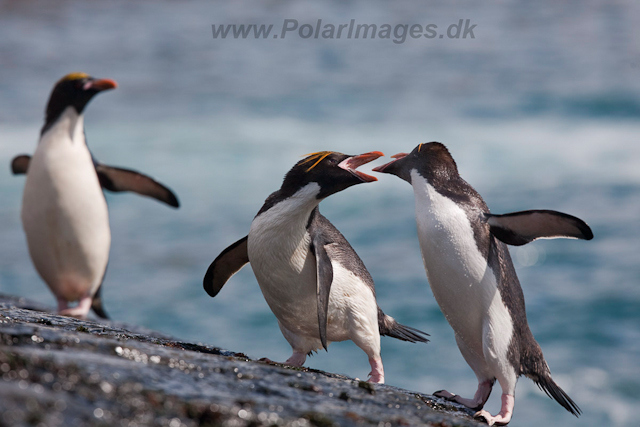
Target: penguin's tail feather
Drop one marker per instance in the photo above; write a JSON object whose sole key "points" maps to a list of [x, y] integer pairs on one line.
{"points": [[96, 304], [391, 328], [542, 378], [553, 390]]}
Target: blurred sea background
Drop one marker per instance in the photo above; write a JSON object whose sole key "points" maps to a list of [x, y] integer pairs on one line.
{"points": [[541, 110]]}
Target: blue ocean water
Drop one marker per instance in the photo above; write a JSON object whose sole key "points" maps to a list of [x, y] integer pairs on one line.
{"points": [[541, 110]]}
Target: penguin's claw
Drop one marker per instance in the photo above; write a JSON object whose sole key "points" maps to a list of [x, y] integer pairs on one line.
{"points": [[444, 394], [485, 416], [503, 417]]}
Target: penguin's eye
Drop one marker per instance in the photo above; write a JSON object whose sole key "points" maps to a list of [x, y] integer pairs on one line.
{"points": [[332, 161]]}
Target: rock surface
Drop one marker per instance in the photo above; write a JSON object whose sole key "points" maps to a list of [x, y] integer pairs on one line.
{"points": [[59, 371]]}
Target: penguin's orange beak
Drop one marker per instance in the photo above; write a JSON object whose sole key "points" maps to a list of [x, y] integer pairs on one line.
{"points": [[352, 163], [100, 84], [396, 157]]}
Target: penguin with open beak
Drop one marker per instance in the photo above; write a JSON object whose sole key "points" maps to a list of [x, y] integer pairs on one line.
{"points": [[312, 279], [473, 279], [64, 212]]}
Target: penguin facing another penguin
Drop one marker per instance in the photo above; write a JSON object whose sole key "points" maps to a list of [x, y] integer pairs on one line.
{"points": [[64, 212], [312, 279], [473, 279]]}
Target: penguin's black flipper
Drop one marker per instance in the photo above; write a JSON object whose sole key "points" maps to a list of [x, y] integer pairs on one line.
{"points": [[118, 179], [20, 164], [96, 304], [324, 273], [520, 228], [228, 263]]}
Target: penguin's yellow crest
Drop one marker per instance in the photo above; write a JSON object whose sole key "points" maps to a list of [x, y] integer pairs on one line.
{"points": [[75, 76], [319, 156]]}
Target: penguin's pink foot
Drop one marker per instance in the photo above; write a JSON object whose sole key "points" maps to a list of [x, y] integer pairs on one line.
{"points": [[444, 394], [503, 417], [478, 401], [469, 403], [80, 311], [296, 359], [377, 371]]}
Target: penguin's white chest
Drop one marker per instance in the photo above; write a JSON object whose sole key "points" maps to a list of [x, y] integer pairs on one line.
{"points": [[463, 284], [64, 213], [285, 268], [281, 259]]}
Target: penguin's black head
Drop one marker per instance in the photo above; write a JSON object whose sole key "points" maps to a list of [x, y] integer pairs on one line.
{"points": [[432, 161], [76, 90], [332, 171]]}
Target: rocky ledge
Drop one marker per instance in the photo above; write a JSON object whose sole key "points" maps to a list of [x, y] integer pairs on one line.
{"points": [[59, 371]]}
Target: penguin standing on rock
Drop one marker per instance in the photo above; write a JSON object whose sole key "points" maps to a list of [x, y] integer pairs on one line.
{"points": [[64, 212], [312, 279], [473, 279]]}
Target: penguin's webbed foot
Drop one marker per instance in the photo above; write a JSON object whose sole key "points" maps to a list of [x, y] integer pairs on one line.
{"points": [[478, 401], [80, 311], [375, 379], [444, 394], [469, 403], [498, 420], [377, 371], [296, 359], [503, 417]]}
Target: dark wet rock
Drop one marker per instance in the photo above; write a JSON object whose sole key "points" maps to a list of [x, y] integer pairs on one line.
{"points": [[59, 371]]}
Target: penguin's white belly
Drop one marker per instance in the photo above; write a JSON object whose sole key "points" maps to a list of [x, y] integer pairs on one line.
{"points": [[464, 286], [286, 275], [65, 217], [287, 279], [285, 269]]}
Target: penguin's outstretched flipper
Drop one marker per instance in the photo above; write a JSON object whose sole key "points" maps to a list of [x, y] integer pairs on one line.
{"points": [[20, 164], [115, 180], [228, 263], [119, 179], [519, 228]]}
